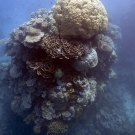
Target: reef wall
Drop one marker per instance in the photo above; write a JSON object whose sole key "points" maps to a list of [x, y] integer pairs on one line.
{"points": [[61, 59]]}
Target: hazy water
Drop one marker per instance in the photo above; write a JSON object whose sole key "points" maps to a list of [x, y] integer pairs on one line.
{"points": [[15, 12]]}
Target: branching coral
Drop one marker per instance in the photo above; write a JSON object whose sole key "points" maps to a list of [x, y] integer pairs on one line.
{"points": [[88, 89], [57, 127], [47, 113], [43, 67], [62, 48], [80, 81], [83, 18]]}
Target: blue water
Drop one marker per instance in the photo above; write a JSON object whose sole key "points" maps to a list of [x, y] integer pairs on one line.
{"points": [[113, 111]]}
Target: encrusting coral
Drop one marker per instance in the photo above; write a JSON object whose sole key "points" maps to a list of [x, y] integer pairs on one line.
{"points": [[54, 72], [80, 18]]}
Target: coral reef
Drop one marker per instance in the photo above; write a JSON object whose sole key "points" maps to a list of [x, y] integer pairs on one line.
{"points": [[83, 18], [54, 79]]}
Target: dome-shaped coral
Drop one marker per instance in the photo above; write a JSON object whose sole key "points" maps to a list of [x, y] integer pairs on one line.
{"points": [[86, 62], [105, 43], [58, 73], [80, 18]]}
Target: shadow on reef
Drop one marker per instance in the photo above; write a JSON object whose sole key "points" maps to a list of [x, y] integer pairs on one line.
{"points": [[59, 65]]}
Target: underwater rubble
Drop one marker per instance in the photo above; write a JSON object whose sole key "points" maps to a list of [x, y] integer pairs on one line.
{"points": [[60, 61]]}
